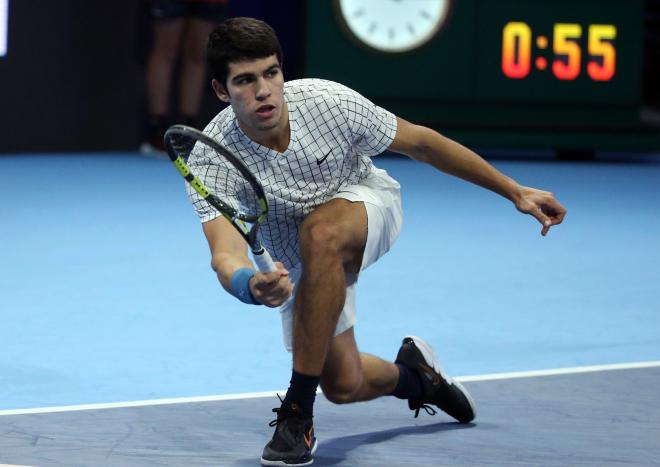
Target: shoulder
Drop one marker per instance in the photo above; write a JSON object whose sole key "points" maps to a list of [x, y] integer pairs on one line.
{"points": [[224, 126], [301, 91]]}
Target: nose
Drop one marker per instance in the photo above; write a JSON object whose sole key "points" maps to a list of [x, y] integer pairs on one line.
{"points": [[263, 91]]}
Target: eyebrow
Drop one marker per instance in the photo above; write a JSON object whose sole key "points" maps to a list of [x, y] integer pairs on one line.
{"points": [[250, 75]]}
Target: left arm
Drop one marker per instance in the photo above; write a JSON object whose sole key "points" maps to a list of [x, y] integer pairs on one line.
{"points": [[425, 145]]}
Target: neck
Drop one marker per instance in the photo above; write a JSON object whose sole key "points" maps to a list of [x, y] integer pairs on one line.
{"points": [[276, 138]]}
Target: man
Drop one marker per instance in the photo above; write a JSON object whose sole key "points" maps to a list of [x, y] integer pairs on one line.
{"points": [[332, 214]]}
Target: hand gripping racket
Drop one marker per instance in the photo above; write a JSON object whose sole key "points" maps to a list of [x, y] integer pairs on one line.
{"points": [[238, 182]]}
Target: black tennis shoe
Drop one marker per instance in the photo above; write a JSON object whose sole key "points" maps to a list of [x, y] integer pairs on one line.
{"points": [[437, 388], [293, 442]]}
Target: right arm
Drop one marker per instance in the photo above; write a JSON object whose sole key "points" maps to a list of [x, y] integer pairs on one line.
{"points": [[229, 253]]}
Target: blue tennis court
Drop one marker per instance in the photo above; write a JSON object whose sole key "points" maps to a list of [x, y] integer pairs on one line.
{"points": [[120, 349]]}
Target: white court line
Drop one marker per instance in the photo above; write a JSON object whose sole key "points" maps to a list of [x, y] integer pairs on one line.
{"points": [[254, 395], [558, 371]]}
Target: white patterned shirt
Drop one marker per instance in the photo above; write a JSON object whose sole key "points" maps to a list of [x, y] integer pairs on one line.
{"points": [[334, 132]]}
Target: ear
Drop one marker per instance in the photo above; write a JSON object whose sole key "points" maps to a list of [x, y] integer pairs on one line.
{"points": [[220, 91]]}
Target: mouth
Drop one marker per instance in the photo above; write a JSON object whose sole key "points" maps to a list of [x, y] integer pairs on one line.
{"points": [[265, 110]]}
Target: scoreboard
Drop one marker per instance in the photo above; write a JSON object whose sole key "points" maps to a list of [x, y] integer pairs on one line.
{"points": [[540, 73], [575, 51], [4, 6]]}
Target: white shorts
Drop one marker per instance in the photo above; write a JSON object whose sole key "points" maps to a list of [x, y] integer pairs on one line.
{"points": [[381, 196]]}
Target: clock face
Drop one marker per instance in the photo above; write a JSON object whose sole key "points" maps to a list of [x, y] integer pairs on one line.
{"points": [[393, 25]]}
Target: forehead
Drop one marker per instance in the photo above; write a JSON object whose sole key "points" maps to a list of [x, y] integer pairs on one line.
{"points": [[252, 66]]}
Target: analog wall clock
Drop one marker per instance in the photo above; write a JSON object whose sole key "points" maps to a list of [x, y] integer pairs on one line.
{"points": [[392, 26]]}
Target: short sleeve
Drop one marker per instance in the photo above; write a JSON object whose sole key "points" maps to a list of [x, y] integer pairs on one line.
{"points": [[200, 165], [222, 178], [373, 128]]}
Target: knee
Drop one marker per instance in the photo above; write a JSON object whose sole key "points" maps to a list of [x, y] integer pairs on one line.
{"points": [[318, 235], [342, 392]]}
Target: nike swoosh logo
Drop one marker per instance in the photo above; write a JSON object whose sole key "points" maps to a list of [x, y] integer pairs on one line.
{"points": [[320, 161], [430, 374]]}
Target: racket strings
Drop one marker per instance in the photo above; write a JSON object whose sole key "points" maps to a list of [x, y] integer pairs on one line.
{"points": [[182, 145], [229, 184]]}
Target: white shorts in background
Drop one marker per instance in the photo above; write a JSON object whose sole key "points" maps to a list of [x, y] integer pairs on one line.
{"points": [[381, 196]]}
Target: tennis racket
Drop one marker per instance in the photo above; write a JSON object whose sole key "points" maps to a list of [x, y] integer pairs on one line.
{"points": [[237, 182]]}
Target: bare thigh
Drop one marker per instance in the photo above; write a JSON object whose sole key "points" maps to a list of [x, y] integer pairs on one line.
{"points": [[338, 227]]}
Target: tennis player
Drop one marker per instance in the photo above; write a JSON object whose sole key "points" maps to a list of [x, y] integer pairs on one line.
{"points": [[332, 214]]}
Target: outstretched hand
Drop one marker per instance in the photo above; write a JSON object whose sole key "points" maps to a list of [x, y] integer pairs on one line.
{"points": [[271, 288], [542, 205]]}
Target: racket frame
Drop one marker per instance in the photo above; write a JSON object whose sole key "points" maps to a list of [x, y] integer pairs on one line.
{"points": [[241, 221]]}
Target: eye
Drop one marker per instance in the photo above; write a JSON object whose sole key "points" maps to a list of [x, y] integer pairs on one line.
{"points": [[244, 80]]}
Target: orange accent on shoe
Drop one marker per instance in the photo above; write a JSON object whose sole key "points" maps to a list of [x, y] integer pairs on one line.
{"points": [[308, 437]]}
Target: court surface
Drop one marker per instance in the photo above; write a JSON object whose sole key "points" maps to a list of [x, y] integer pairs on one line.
{"points": [[107, 298]]}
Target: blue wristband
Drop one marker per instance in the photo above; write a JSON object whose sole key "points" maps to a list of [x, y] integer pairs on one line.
{"points": [[240, 286]]}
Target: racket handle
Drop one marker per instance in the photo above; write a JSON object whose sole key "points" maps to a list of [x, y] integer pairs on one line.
{"points": [[264, 261]]}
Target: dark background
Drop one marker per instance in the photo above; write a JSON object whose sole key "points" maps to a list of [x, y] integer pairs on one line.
{"points": [[73, 78]]}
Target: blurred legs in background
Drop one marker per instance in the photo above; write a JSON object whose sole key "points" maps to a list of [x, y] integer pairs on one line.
{"points": [[180, 32]]}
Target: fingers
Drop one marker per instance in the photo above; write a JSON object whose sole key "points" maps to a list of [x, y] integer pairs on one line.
{"points": [[275, 296], [268, 279], [540, 216], [553, 213], [272, 288], [545, 229], [544, 207], [538, 213]]}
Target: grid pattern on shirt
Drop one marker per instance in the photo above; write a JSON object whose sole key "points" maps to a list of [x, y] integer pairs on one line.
{"points": [[334, 132], [225, 180]]}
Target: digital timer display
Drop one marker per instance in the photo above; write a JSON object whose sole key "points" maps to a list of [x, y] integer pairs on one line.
{"points": [[567, 51], [559, 51], [4, 6]]}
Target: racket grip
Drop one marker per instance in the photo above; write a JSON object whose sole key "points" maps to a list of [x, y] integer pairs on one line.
{"points": [[264, 261]]}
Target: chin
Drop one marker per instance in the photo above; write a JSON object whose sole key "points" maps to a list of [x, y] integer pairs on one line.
{"points": [[268, 125]]}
